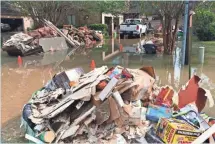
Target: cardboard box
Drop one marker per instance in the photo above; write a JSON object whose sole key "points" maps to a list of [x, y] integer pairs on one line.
{"points": [[154, 113], [176, 131], [63, 79]]}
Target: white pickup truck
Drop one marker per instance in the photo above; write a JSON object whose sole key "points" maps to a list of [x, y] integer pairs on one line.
{"points": [[133, 27]]}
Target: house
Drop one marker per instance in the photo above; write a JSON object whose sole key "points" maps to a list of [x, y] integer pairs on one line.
{"points": [[12, 16], [77, 17], [80, 18]]}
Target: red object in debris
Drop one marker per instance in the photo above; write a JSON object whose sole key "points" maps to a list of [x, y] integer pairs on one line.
{"points": [[126, 74], [120, 48], [94, 42], [93, 65], [19, 60], [192, 93], [101, 85], [212, 122], [165, 97], [137, 27]]}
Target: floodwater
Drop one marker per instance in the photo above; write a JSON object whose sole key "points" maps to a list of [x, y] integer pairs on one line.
{"points": [[18, 83]]}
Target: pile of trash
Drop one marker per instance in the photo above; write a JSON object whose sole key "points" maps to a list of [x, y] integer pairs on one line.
{"points": [[154, 45], [117, 105], [83, 35], [20, 44], [29, 43], [43, 32]]}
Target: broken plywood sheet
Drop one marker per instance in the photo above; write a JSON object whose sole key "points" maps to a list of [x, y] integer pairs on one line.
{"points": [[92, 78], [63, 104], [106, 91], [55, 43], [70, 132], [114, 112], [51, 111], [103, 112], [192, 93]]}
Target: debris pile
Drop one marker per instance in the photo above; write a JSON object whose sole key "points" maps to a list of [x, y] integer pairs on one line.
{"points": [[116, 105], [28, 43], [20, 44], [83, 35], [154, 45]]}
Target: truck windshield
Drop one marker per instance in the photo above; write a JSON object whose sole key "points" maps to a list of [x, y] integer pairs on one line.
{"points": [[133, 22]]}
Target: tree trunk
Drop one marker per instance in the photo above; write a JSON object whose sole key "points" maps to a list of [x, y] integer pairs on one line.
{"points": [[164, 33], [174, 35], [169, 28], [169, 36]]}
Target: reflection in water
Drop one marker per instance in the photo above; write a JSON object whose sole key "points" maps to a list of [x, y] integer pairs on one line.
{"points": [[193, 71], [125, 59], [135, 47], [116, 60], [177, 67], [113, 52]]}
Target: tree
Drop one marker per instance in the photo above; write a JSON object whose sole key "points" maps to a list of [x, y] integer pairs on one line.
{"points": [[113, 7], [169, 12], [204, 21], [146, 8], [54, 11]]}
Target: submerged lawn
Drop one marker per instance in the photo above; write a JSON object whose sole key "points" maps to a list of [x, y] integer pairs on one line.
{"points": [[209, 50]]}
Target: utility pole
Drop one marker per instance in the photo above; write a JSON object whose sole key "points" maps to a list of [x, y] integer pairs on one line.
{"points": [[186, 16], [188, 41]]}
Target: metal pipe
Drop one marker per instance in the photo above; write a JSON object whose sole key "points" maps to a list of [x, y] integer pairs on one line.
{"points": [[185, 30], [201, 53]]}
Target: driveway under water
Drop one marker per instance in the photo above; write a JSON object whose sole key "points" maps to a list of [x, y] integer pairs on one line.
{"points": [[18, 83]]}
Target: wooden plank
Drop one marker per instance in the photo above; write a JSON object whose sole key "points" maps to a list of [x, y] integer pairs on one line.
{"points": [[108, 88], [48, 23], [82, 117], [59, 110], [84, 92], [76, 122], [202, 138], [70, 132]]}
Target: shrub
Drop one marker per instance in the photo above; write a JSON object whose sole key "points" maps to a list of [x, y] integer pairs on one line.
{"points": [[100, 27], [204, 25]]}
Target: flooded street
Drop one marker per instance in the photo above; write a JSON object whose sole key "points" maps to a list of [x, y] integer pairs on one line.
{"points": [[18, 83]]}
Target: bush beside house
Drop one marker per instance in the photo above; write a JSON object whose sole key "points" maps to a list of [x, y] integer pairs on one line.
{"points": [[99, 27]]}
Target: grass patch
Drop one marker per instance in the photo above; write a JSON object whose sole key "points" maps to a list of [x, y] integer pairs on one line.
{"points": [[209, 46], [209, 50]]}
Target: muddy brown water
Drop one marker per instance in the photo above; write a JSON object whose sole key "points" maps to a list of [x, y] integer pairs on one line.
{"points": [[18, 83]]}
